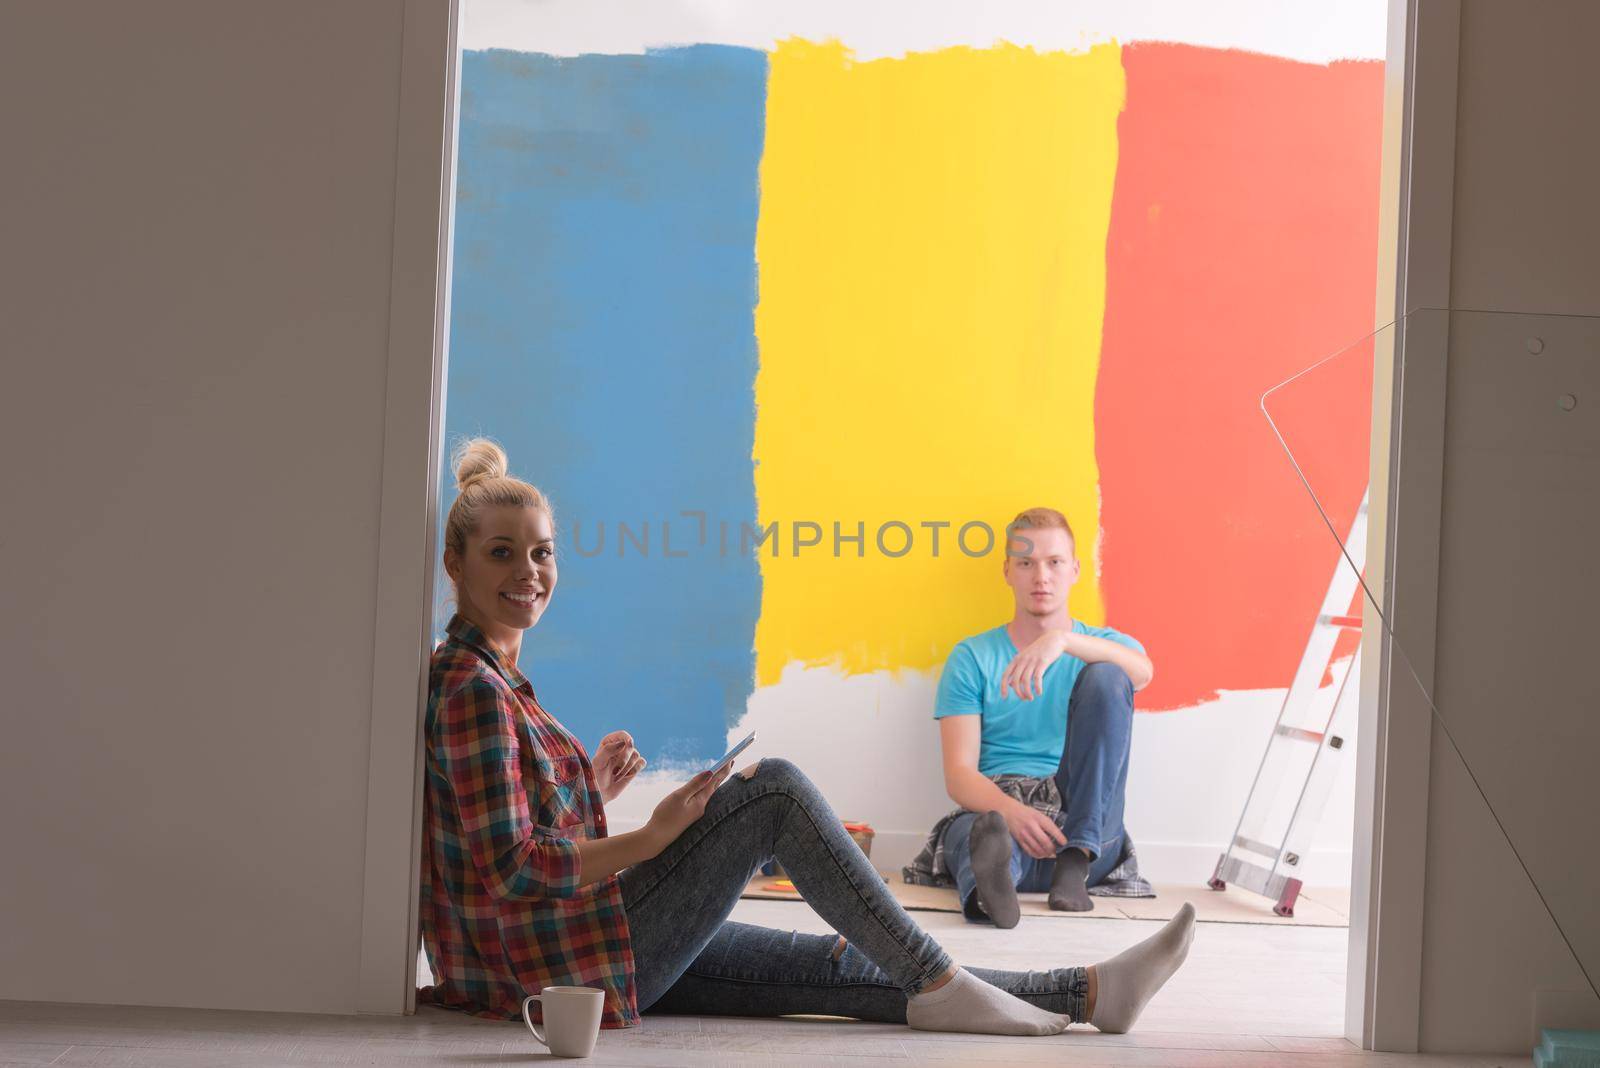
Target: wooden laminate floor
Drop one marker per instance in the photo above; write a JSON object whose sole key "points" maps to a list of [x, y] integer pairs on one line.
{"points": [[1249, 996]]}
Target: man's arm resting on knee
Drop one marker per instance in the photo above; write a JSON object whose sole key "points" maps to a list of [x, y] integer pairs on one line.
{"points": [[960, 738], [1091, 650]]}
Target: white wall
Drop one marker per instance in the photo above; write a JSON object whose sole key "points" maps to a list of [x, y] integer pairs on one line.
{"points": [[1187, 782], [1315, 33], [1517, 581], [198, 207]]}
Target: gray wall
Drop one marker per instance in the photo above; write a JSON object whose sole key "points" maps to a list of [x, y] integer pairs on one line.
{"points": [[196, 216], [1519, 587]]}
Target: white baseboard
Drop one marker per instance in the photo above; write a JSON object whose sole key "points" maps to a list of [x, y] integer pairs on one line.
{"points": [[1160, 862], [1170, 863]]}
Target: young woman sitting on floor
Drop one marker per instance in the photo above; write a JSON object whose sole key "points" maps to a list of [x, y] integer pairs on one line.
{"points": [[523, 887]]}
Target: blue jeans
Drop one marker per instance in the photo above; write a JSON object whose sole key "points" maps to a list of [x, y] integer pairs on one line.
{"points": [[689, 958], [1092, 778]]}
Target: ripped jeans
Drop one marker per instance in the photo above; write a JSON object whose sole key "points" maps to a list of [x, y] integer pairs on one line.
{"points": [[690, 958]]}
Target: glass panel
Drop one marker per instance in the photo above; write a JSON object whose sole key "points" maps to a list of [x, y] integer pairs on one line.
{"points": [[1321, 417], [1516, 594]]}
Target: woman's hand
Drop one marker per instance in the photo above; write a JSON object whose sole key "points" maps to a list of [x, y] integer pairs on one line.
{"points": [[1025, 674], [684, 805], [615, 764]]}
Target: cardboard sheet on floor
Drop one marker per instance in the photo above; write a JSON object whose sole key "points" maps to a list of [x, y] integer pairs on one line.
{"points": [[1316, 907]]}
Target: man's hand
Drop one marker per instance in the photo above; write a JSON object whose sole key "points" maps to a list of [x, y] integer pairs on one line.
{"points": [[1034, 831], [615, 763], [1025, 674]]}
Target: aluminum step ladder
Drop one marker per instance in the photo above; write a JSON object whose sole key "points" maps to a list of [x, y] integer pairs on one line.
{"points": [[1304, 750]]}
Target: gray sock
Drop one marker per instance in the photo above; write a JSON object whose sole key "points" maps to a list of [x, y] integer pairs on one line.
{"points": [[1128, 981], [967, 1003], [1068, 889], [990, 842]]}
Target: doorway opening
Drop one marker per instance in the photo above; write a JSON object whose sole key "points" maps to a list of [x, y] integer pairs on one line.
{"points": [[716, 299]]}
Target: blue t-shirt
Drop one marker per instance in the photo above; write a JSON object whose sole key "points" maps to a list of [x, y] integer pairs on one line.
{"points": [[1019, 737]]}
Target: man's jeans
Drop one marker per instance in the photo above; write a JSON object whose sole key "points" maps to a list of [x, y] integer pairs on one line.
{"points": [[690, 958], [1092, 778]]}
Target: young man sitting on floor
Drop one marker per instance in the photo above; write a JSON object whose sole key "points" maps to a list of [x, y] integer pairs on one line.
{"points": [[1036, 719]]}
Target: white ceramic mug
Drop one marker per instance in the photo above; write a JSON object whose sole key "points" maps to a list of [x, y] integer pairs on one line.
{"points": [[571, 1018]]}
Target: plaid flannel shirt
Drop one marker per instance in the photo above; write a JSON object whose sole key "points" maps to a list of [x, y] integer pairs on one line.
{"points": [[508, 791]]}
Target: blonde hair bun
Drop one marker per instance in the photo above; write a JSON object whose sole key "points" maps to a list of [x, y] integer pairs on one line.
{"points": [[477, 460], [483, 481]]}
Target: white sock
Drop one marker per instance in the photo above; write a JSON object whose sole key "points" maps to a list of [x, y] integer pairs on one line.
{"points": [[967, 1003], [1128, 981]]}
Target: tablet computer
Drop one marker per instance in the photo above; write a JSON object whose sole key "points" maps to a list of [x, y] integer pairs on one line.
{"points": [[727, 758]]}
